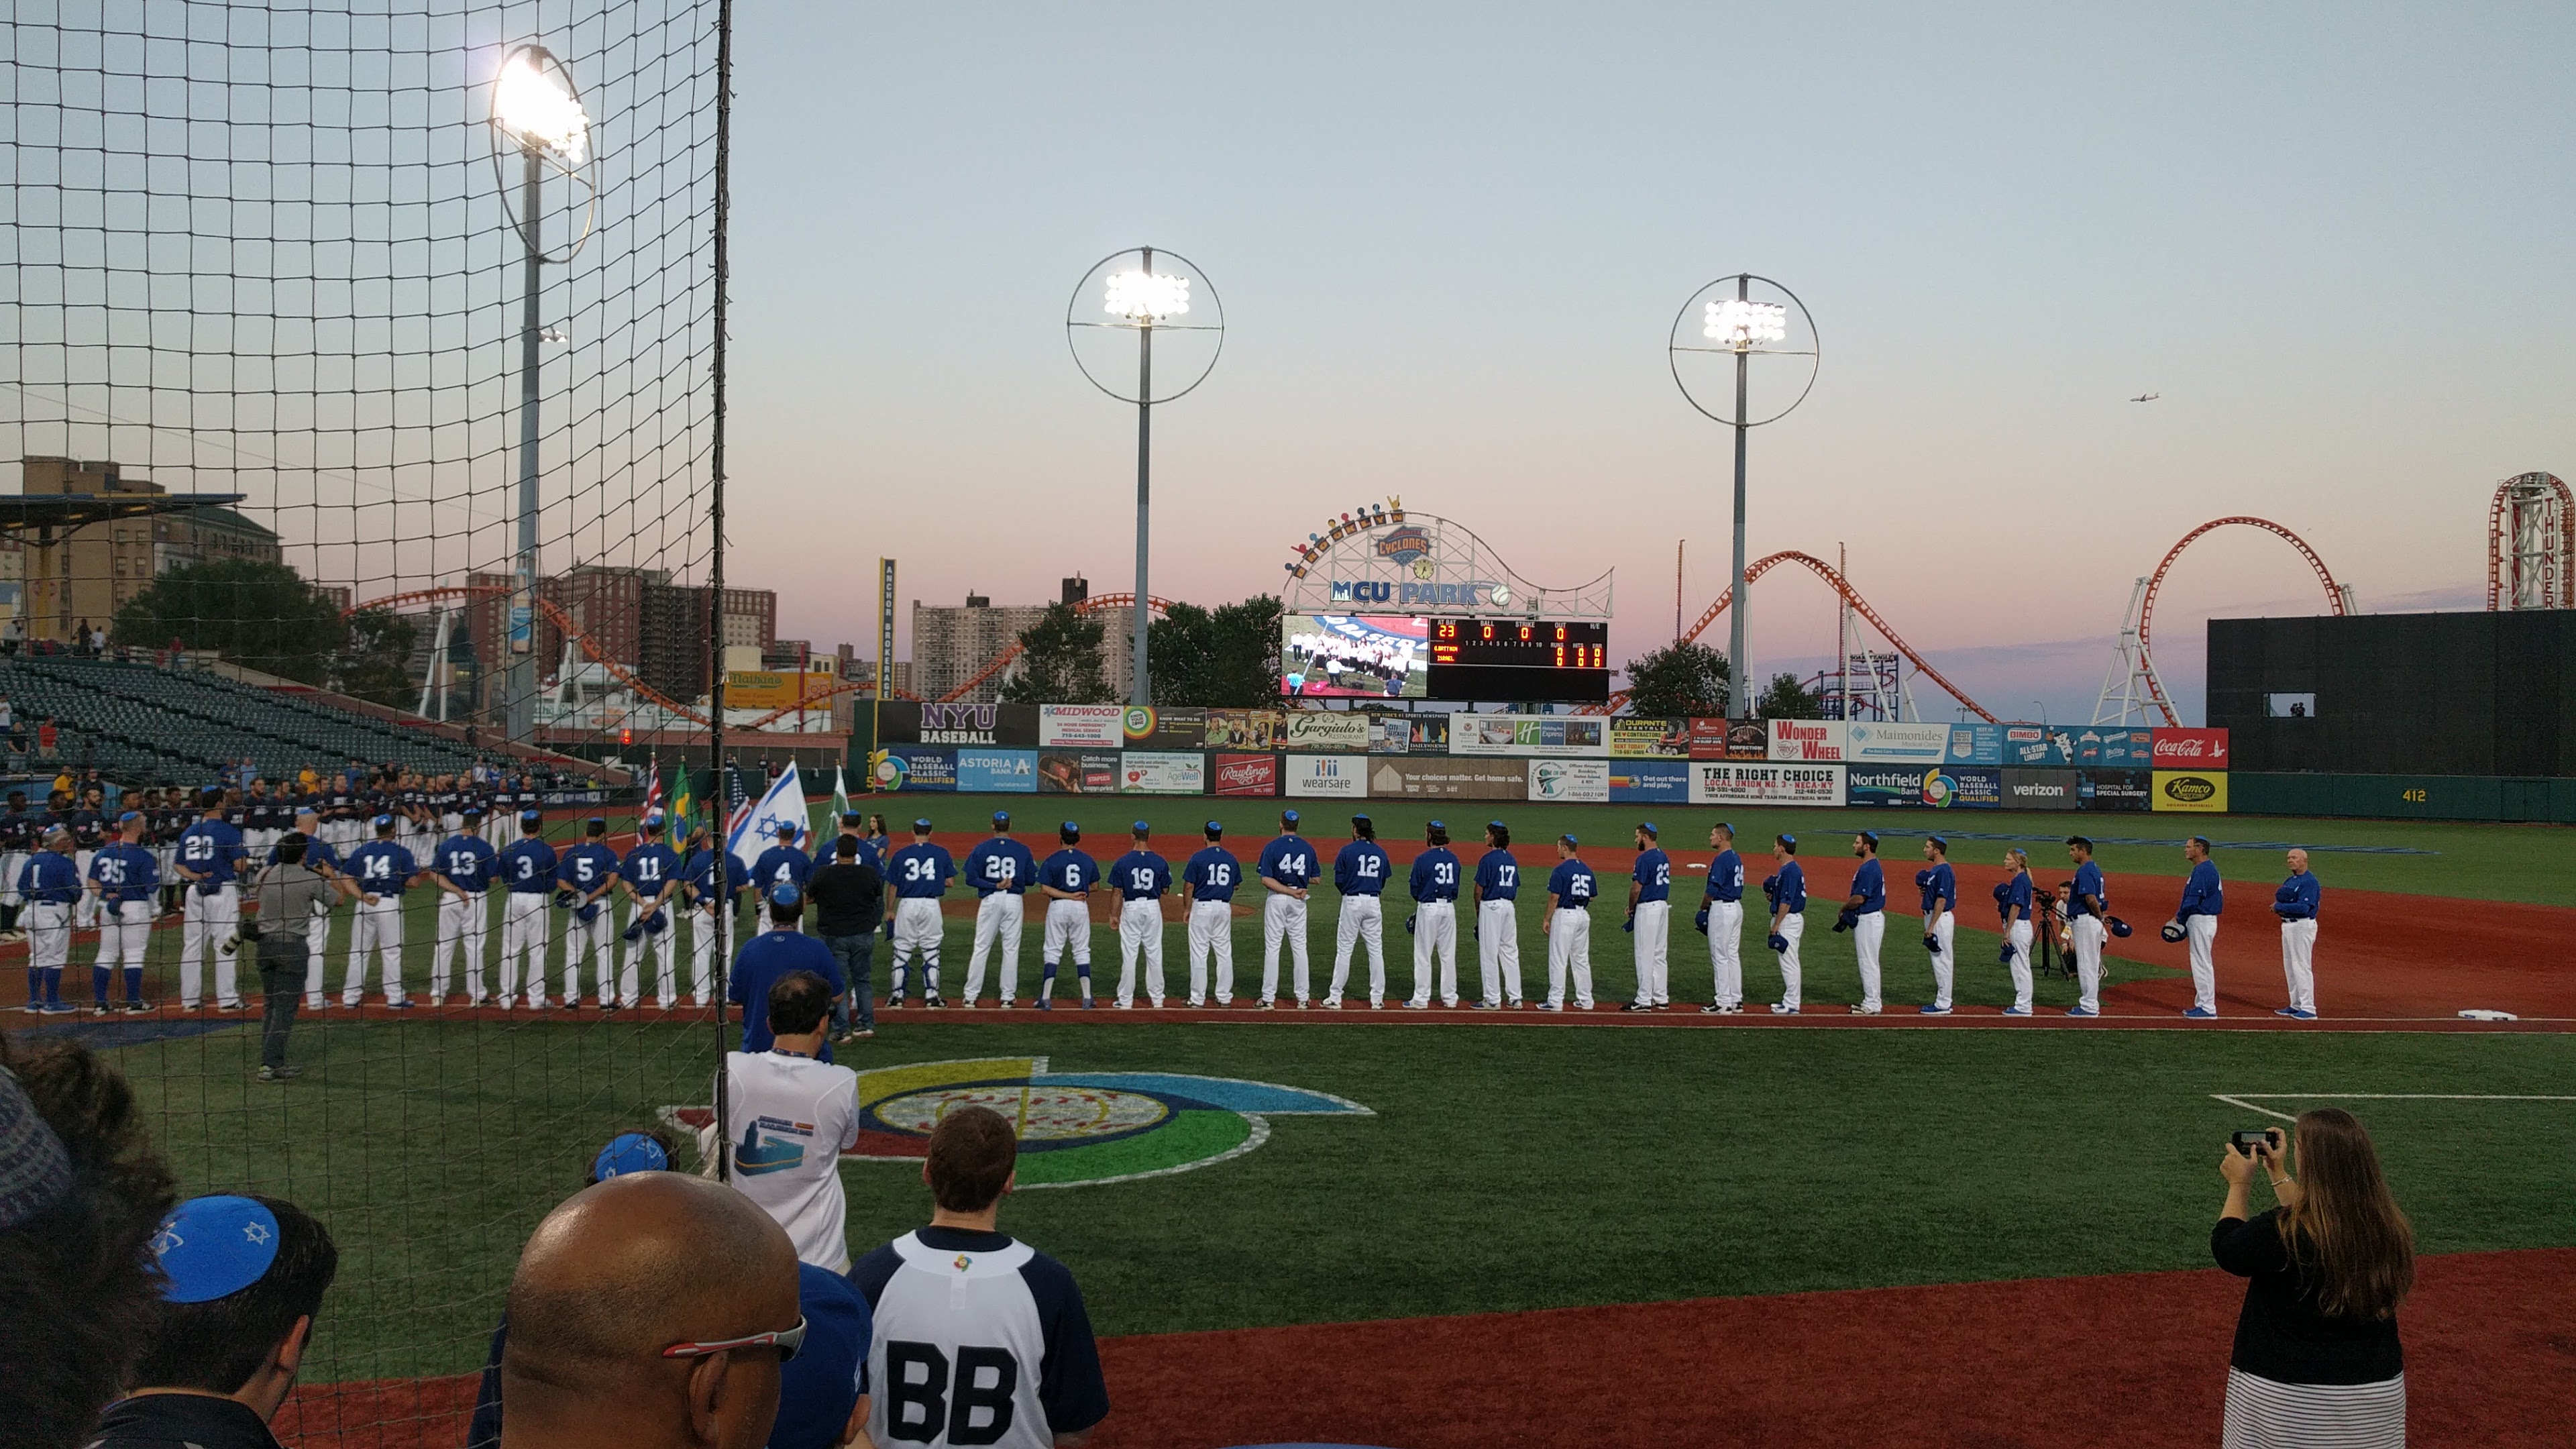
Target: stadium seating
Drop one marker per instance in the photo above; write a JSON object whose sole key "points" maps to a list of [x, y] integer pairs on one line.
{"points": [[143, 725]]}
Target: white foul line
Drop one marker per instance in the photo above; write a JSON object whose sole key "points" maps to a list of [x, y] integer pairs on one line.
{"points": [[2239, 1099]]}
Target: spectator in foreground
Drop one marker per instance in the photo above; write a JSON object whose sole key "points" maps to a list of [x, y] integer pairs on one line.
{"points": [[767, 958], [788, 1118], [944, 1294], [2317, 1359], [81, 1198], [242, 1278], [650, 1312]]}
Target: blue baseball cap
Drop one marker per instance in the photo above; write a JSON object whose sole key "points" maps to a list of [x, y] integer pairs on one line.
{"points": [[129, 817], [384, 822], [629, 1152], [214, 1247], [787, 895], [532, 817], [1141, 828], [1000, 817], [818, 1388], [922, 824], [786, 828], [1938, 841], [1287, 817], [652, 820], [1434, 825]]}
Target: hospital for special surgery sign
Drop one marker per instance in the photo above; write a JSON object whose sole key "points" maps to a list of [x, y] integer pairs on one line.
{"points": [[1714, 782]]}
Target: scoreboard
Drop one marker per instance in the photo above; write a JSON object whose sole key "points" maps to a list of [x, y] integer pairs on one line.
{"points": [[1517, 660]]}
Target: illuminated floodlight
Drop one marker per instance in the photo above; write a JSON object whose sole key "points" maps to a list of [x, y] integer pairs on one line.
{"points": [[1736, 323], [1146, 297], [537, 110]]}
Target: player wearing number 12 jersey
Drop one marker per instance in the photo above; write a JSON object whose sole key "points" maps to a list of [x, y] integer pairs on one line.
{"points": [[1360, 871]]}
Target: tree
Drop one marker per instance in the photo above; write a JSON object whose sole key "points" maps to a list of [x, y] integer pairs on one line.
{"points": [[263, 616], [1221, 658], [1786, 698], [375, 663], [1683, 678], [1060, 662]]}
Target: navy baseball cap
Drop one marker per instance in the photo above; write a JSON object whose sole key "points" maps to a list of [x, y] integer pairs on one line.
{"points": [[532, 817], [214, 1247], [652, 819], [853, 819], [787, 895], [818, 1388], [629, 1152]]}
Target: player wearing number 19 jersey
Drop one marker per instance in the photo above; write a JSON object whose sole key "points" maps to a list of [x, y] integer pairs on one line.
{"points": [[918, 875], [1140, 877], [1207, 889], [1498, 926], [1360, 872]]}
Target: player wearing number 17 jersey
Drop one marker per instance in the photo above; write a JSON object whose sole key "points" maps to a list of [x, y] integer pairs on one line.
{"points": [[918, 875], [1207, 893], [1498, 926], [1140, 877]]}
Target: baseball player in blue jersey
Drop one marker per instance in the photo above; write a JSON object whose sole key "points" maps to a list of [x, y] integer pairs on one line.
{"points": [[1067, 879], [1360, 873], [1287, 868], [1864, 914], [2087, 903], [461, 867], [1650, 920], [855, 825], [210, 851], [709, 916], [1434, 887], [584, 878], [125, 878], [1940, 889], [1570, 891], [1207, 897], [782, 863], [916, 877], [50, 882], [1786, 889], [2013, 901], [1140, 877], [2296, 904], [382, 870], [1721, 916], [1498, 926], [526, 869], [1001, 870], [2198, 917], [650, 875]]}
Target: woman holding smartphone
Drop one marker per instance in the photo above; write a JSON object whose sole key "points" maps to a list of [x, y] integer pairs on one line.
{"points": [[2317, 1359]]}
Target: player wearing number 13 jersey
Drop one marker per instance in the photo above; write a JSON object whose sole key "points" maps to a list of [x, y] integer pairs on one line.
{"points": [[978, 1339]]}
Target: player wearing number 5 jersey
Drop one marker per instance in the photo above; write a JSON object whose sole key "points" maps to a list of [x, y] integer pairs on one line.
{"points": [[461, 868], [584, 879], [381, 870], [1001, 870], [1498, 928], [917, 876], [1570, 889], [1650, 920], [125, 877], [1287, 868], [1207, 896], [1360, 871], [650, 876], [1067, 880], [1435, 919], [526, 869], [209, 851], [1140, 877]]}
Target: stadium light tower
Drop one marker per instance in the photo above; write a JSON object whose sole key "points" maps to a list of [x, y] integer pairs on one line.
{"points": [[1720, 331], [536, 113], [1134, 296]]}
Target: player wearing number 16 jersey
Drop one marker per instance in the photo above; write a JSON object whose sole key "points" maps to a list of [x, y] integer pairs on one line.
{"points": [[918, 875], [1140, 877], [1001, 870], [1498, 926], [1360, 871], [1207, 893], [1287, 868]]}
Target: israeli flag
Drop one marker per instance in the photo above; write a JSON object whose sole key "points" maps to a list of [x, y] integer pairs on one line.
{"points": [[758, 825]]}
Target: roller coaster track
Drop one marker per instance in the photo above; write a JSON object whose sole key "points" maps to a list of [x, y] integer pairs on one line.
{"points": [[1833, 578], [2338, 597]]}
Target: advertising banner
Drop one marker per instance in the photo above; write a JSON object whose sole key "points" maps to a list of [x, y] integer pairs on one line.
{"points": [[1806, 741], [1737, 783], [1078, 725], [2113, 789], [1884, 786], [2197, 792], [1321, 730], [1325, 777], [1409, 734], [923, 722], [1078, 772], [1964, 787], [1245, 775], [1245, 729], [2041, 789], [1570, 781], [1974, 744], [917, 767], [2102, 747], [1008, 772], [1717, 739], [1649, 738], [1162, 772], [1867, 742], [1651, 782], [1527, 734], [2189, 750], [2038, 747], [765, 691], [1144, 727], [1415, 777]]}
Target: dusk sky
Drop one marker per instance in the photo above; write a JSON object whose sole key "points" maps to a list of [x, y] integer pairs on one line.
{"points": [[1450, 242]]}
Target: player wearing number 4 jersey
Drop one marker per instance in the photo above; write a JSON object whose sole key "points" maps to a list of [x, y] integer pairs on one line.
{"points": [[1140, 877], [916, 876], [1498, 928], [1287, 868], [1360, 871], [1207, 896]]}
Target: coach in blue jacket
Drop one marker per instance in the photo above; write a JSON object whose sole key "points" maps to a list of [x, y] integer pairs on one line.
{"points": [[2198, 918]]}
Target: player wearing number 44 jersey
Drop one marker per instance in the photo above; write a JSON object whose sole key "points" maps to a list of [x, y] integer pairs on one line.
{"points": [[1287, 868], [1360, 871], [1140, 877], [1207, 895], [916, 877]]}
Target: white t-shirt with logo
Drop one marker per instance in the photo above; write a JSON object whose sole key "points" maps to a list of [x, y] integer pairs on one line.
{"points": [[788, 1119]]}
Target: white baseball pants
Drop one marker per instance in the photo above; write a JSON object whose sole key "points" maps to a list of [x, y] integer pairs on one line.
{"points": [[14, 863], [1654, 953], [2017, 935], [124, 930], [375, 928], [1498, 951], [206, 921], [1282, 918], [49, 944], [2202, 934], [661, 946], [525, 935], [998, 921], [1068, 927], [1726, 951], [1792, 929], [2298, 954], [2084, 936], [84, 906], [1211, 931], [317, 963], [1569, 949], [1435, 943], [916, 933], [1140, 930], [596, 937], [1943, 927], [1868, 935], [706, 927], [1362, 919], [460, 928]]}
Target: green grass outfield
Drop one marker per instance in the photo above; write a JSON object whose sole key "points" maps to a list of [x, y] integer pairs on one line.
{"points": [[1504, 1168]]}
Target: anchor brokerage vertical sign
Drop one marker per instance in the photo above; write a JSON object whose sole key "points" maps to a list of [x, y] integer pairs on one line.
{"points": [[885, 658]]}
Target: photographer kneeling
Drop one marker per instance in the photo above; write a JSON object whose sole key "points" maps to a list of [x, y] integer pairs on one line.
{"points": [[287, 896], [2317, 1359]]}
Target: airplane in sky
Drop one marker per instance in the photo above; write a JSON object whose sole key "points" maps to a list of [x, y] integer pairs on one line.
{"points": [[2146, 397]]}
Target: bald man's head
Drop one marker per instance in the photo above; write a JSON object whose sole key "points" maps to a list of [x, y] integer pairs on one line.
{"points": [[624, 1270]]}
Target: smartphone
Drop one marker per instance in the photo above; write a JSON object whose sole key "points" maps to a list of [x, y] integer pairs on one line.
{"points": [[2246, 1139]]}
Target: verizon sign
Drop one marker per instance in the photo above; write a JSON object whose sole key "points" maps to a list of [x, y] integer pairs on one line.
{"points": [[2190, 749], [1809, 741]]}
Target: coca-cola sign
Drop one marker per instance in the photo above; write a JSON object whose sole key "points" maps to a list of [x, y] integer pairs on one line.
{"points": [[2190, 749]]}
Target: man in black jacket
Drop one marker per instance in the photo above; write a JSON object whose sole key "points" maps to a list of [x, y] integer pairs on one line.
{"points": [[849, 901]]}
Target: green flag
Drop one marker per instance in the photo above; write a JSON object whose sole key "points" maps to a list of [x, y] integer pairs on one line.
{"points": [[840, 796], [683, 804]]}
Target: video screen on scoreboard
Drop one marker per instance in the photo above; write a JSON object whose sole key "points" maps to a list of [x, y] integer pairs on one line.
{"points": [[1354, 656]]}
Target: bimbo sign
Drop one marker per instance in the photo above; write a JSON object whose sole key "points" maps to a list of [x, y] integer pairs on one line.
{"points": [[2191, 749]]}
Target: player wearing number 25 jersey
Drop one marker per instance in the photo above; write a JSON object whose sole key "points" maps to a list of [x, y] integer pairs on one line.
{"points": [[1570, 889], [1207, 886]]}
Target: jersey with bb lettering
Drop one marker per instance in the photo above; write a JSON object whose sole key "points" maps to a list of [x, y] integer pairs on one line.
{"points": [[979, 1340]]}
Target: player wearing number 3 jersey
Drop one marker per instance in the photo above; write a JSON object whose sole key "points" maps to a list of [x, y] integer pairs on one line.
{"points": [[1359, 873], [1207, 893], [526, 869], [1140, 877]]}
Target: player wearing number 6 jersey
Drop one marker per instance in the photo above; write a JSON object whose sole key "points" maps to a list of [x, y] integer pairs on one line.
{"points": [[650, 875], [1207, 895], [1287, 868], [1498, 926], [526, 870], [462, 870], [1067, 879], [1140, 877], [1435, 919], [917, 876], [1360, 870], [1650, 920], [1001, 870]]}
